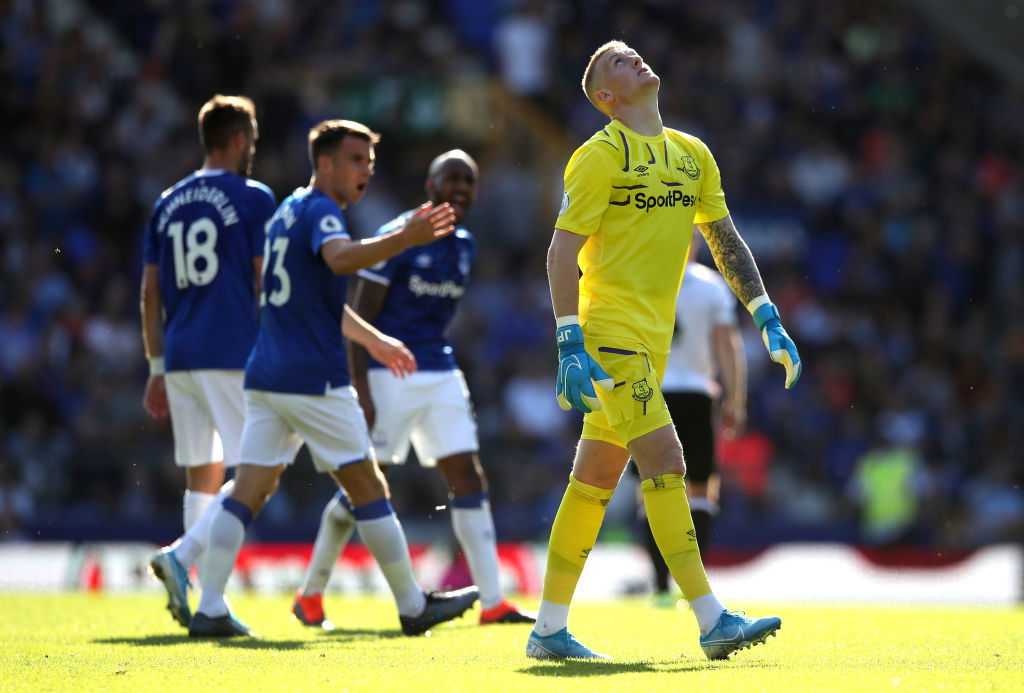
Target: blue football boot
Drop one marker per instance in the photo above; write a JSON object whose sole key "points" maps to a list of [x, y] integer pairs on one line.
{"points": [[560, 645], [167, 570], [735, 631]]}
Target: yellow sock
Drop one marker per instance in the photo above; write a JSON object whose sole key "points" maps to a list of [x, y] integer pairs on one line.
{"points": [[669, 515], [573, 534]]}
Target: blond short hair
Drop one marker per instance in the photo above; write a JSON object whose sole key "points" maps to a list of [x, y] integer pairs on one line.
{"points": [[588, 74]]}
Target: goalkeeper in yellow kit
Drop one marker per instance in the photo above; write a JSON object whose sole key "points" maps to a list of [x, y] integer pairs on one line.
{"points": [[633, 193]]}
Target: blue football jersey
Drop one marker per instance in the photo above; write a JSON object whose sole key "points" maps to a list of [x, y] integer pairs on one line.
{"points": [[424, 284], [299, 347], [203, 235]]}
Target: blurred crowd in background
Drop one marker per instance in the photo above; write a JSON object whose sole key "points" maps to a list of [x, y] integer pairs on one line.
{"points": [[873, 166]]}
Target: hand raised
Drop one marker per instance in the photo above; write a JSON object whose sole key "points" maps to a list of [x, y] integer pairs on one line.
{"points": [[428, 223]]}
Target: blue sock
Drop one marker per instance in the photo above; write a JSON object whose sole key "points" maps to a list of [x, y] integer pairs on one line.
{"points": [[473, 500], [239, 510], [374, 510]]}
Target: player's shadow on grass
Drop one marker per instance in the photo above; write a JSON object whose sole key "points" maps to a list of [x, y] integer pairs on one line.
{"points": [[604, 667], [592, 668], [243, 643], [346, 634]]}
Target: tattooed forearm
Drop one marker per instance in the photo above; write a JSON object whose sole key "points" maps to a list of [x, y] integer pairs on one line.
{"points": [[733, 259]]}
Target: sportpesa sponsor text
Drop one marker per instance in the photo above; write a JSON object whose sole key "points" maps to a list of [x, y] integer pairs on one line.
{"points": [[672, 198], [446, 289]]}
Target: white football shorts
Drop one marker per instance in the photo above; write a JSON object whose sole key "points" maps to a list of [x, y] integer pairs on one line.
{"points": [[430, 409], [207, 412], [332, 426]]}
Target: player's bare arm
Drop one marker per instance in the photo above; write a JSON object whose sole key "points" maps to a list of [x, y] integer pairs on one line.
{"points": [[151, 309], [257, 268], [563, 271], [384, 348], [733, 259], [427, 224], [366, 299], [732, 366]]}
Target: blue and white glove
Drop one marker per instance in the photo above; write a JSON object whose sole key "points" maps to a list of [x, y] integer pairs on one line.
{"points": [[781, 348], [576, 370]]}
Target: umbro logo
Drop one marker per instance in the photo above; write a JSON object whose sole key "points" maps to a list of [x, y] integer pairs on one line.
{"points": [[640, 169]]}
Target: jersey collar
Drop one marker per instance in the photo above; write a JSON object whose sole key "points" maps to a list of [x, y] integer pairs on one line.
{"points": [[650, 139]]}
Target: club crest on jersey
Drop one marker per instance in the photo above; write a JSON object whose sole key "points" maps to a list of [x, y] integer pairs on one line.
{"points": [[690, 167], [423, 260], [642, 392]]}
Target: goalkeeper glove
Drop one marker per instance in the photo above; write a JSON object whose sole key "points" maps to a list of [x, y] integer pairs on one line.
{"points": [[781, 348], [576, 370]]}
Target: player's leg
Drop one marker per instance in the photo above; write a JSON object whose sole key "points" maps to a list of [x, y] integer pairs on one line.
{"points": [[600, 460], [203, 483], [595, 473], [473, 526], [269, 444], [221, 394], [337, 523], [663, 595], [692, 415], [215, 412], [194, 449], [254, 484], [704, 498], [659, 458], [396, 412], [196, 444], [381, 531], [335, 431], [446, 436]]}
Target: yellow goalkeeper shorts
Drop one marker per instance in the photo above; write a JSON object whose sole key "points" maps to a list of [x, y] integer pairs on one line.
{"points": [[635, 405]]}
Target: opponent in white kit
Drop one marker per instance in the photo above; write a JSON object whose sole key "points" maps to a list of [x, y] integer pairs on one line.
{"points": [[203, 254], [413, 297], [297, 384]]}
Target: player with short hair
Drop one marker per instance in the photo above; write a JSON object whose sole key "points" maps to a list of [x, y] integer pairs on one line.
{"points": [[297, 386], [632, 194], [706, 345], [203, 258], [413, 296]]}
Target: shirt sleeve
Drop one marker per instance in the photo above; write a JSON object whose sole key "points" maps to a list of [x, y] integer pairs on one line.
{"points": [[262, 206], [384, 271], [725, 304], [586, 193], [711, 205], [327, 222]]}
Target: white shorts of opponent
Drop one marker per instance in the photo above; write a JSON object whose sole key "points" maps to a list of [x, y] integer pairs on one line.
{"points": [[332, 425], [430, 409], [207, 413]]}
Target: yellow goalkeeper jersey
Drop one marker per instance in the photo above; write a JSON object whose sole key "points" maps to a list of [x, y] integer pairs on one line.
{"points": [[637, 199]]}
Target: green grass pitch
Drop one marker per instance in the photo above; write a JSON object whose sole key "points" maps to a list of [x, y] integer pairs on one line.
{"points": [[87, 642]]}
